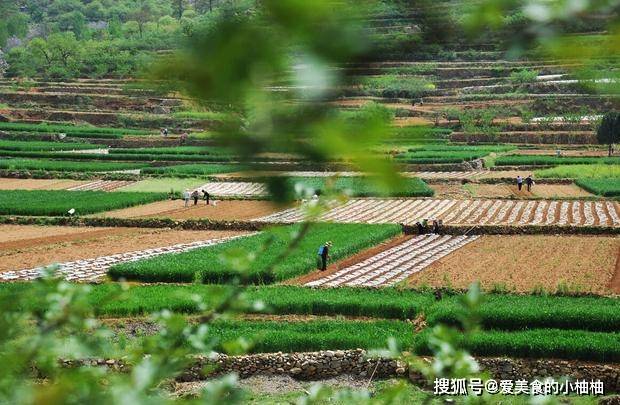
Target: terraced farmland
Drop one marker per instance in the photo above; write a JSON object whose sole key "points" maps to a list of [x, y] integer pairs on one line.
{"points": [[467, 212]]}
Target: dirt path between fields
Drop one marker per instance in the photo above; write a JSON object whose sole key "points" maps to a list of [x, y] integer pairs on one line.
{"points": [[614, 285], [350, 261], [175, 209], [38, 184]]}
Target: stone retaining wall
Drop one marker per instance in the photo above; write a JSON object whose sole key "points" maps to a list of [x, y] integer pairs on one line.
{"points": [[329, 363]]}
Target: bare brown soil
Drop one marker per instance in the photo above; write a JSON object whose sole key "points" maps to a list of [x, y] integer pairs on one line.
{"points": [[538, 190], [38, 184], [175, 209], [614, 285], [350, 261], [526, 263], [450, 190], [61, 244]]}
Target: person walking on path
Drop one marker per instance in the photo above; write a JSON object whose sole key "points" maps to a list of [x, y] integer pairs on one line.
{"points": [[324, 255], [529, 181], [206, 196], [186, 197], [519, 182], [195, 196]]}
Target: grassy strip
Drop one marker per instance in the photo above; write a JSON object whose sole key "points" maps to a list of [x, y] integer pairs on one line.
{"points": [[193, 169], [163, 185], [290, 337], [70, 130], [604, 187], [538, 343], [176, 150], [429, 157], [66, 166], [517, 160], [460, 148], [58, 202], [594, 171], [206, 265], [365, 187], [118, 156], [44, 146], [510, 312]]}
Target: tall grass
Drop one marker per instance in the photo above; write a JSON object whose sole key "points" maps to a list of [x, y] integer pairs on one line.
{"points": [[58, 202], [206, 265]]}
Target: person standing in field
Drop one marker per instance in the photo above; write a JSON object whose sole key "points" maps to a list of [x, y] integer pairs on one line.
{"points": [[519, 182], [206, 196], [186, 197], [529, 181], [324, 255], [195, 196]]}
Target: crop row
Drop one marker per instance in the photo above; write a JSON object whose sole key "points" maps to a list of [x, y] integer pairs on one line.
{"points": [[604, 187], [117, 156], [272, 264], [71, 130], [176, 150], [365, 187], [44, 146], [58, 202], [591, 171], [539, 160], [497, 311], [66, 165]]}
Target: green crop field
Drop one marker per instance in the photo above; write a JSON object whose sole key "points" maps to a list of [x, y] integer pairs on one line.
{"points": [[536, 160], [190, 266], [44, 146], [66, 165], [163, 185], [193, 169], [604, 187], [58, 202], [71, 130], [592, 171]]}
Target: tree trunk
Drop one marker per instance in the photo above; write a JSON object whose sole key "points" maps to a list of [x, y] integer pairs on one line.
{"points": [[610, 150]]}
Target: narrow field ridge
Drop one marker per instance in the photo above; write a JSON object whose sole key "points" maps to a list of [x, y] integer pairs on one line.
{"points": [[89, 270], [396, 264], [466, 212]]}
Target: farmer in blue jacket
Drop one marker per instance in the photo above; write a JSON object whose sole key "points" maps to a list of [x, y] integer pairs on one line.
{"points": [[323, 256]]}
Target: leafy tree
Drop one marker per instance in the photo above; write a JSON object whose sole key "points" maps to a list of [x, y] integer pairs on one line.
{"points": [[73, 21], [179, 7], [609, 130]]}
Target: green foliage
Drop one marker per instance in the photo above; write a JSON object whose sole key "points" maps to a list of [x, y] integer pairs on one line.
{"points": [[44, 146], [175, 150], [395, 86], [590, 171], [538, 343], [523, 76], [605, 187], [207, 265], [66, 165], [439, 156], [516, 160], [58, 202]]}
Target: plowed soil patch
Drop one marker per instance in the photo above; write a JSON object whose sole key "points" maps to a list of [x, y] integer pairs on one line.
{"points": [[38, 184], [538, 190], [63, 244], [526, 263], [175, 209], [452, 190]]}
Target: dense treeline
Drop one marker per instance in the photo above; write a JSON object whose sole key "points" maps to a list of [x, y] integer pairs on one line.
{"points": [[62, 39]]}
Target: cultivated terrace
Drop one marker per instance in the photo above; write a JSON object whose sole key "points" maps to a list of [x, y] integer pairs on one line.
{"points": [[228, 201]]}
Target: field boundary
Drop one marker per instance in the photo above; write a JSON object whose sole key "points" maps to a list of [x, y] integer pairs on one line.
{"points": [[253, 225]]}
